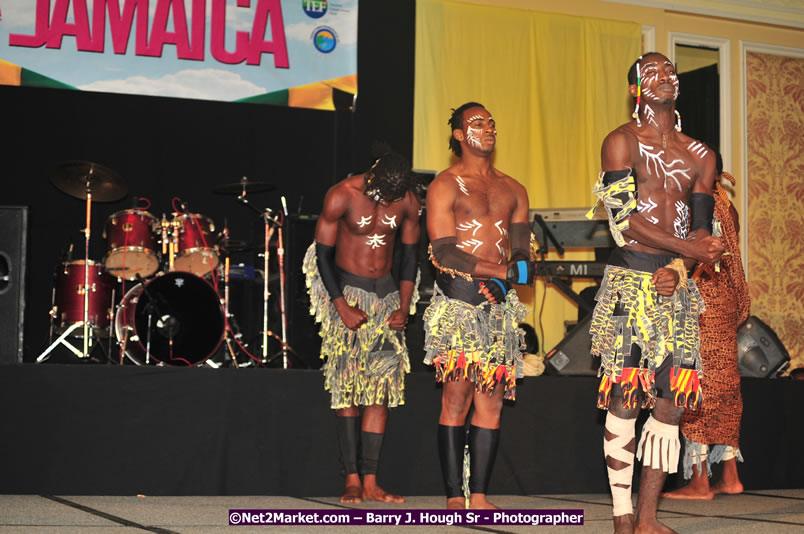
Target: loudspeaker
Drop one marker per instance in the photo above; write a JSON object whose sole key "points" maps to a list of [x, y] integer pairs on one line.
{"points": [[760, 353], [572, 355], [14, 225]]}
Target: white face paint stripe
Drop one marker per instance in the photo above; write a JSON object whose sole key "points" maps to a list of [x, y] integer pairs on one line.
{"points": [[364, 221], [376, 240], [462, 186], [390, 221], [476, 118], [473, 136]]}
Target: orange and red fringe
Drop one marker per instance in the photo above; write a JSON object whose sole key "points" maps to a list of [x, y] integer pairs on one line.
{"points": [[686, 388], [452, 369], [631, 381]]}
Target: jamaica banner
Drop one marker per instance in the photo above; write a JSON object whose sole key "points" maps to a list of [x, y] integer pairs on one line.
{"points": [[284, 52]]}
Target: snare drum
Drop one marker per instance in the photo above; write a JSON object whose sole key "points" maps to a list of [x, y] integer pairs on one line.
{"points": [[175, 318], [68, 299], [197, 248], [131, 244]]}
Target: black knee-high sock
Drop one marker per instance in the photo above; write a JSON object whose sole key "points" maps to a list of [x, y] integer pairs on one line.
{"points": [[370, 447], [482, 452], [451, 443], [348, 432]]}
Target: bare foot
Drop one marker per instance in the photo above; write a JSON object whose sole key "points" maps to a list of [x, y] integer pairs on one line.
{"points": [[478, 501], [732, 488], [696, 490], [652, 527], [353, 490], [624, 524], [690, 492], [373, 492], [352, 494], [456, 503]]}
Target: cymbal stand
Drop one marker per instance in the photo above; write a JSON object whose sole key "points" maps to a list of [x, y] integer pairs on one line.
{"points": [[269, 230], [86, 289], [280, 251]]}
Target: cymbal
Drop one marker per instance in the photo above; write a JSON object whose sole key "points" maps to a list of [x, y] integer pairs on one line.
{"points": [[237, 188], [77, 178]]}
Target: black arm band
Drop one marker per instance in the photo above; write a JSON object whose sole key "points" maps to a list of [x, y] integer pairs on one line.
{"points": [[609, 177], [520, 241], [702, 208], [325, 255], [449, 256], [408, 262]]}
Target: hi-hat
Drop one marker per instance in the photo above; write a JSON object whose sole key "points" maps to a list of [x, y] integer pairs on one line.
{"points": [[78, 178], [243, 186]]}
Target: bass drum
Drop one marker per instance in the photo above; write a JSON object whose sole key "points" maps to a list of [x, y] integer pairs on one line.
{"points": [[174, 319]]}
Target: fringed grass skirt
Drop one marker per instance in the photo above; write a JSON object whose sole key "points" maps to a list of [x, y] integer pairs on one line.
{"points": [[365, 367], [630, 311], [480, 343]]}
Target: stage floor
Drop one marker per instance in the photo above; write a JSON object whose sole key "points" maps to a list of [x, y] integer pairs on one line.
{"points": [[777, 511]]}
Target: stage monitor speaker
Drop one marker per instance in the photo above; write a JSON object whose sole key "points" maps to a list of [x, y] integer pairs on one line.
{"points": [[14, 225], [572, 356], [760, 352]]}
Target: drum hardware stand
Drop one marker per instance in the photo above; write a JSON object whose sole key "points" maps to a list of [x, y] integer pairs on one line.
{"points": [[85, 322], [269, 230]]}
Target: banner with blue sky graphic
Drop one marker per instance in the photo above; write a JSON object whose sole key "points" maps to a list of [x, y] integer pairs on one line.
{"points": [[290, 52]]}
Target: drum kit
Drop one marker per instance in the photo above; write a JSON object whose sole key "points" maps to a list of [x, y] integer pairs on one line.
{"points": [[174, 314]]}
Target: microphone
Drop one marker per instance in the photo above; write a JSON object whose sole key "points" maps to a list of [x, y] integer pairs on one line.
{"points": [[70, 253]]}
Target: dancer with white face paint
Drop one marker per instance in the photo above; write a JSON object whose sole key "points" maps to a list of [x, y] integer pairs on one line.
{"points": [[656, 186], [361, 311], [475, 215]]}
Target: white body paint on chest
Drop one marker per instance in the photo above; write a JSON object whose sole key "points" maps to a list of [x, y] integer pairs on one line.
{"points": [[699, 149], [376, 240], [467, 226], [390, 221], [645, 208], [462, 186], [655, 164]]}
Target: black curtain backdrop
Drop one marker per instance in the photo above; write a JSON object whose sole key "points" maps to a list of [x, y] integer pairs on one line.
{"points": [[100, 430], [699, 105], [166, 148]]}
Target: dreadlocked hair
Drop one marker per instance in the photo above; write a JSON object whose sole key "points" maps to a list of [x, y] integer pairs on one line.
{"points": [[456, 123], [390, 177]]}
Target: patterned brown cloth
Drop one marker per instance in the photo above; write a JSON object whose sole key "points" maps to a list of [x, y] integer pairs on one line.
{"points": [[728, 304]]}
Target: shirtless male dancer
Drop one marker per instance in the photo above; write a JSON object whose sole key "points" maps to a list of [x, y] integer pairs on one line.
{"points": [[361, 311], [656, 186], [475, 213]]}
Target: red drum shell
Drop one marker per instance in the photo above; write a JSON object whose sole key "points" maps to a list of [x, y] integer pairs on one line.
{"points": [[131, 244], [69, 295]]}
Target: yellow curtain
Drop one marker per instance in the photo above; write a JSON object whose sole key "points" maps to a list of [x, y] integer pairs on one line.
{"points": [[555, 84]]}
